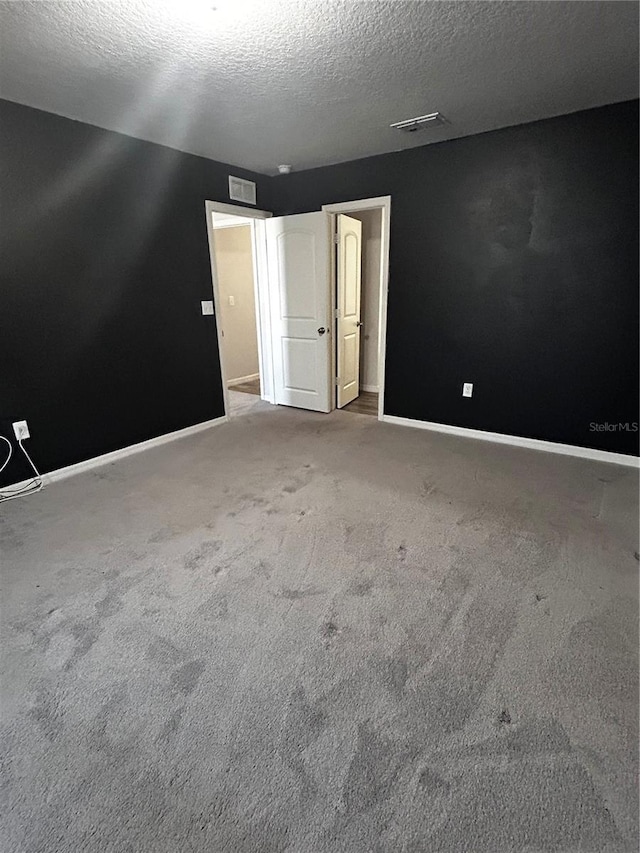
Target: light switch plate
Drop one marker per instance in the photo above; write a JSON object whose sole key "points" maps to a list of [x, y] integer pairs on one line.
{"points": [[232, 301], [467, 389], [207, 307]]}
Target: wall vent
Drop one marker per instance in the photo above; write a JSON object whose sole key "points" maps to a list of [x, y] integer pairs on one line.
{"points": [[241, 190], [410, 125]]}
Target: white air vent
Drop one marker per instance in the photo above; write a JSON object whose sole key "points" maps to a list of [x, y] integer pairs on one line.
{"points": [[241, 190]]}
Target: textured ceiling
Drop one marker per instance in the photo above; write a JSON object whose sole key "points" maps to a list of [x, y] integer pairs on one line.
{"points": [[309, 82]]}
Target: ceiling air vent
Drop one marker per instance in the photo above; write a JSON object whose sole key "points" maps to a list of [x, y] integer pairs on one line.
{"points": [[241, 190], [410, 125]]}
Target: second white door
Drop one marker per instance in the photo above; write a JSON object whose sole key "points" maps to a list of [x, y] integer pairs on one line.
{"points": [[348, 323]]}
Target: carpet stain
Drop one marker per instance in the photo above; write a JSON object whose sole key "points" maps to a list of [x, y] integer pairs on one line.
{"points": [[111, 473], [305, 722], [170, 727], [221, 608], [262, 569], [47, 714], [394, 674], [427, 489], [361, 587], [109, 605], [97, 738], [163, 651], [329, 630], [372, 773], [202, 554], [253, 500], [295, 486], [185, 679], [504, 717], [85, 634], [164, 534], [296, 594], [432, 781], [215, 607]]}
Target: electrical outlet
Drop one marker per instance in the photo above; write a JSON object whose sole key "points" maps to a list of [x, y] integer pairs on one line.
{"points": [[467, 389], [21, 429], [207, 306]]}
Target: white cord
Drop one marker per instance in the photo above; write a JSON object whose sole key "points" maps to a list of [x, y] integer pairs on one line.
{"points": [[10, 453], [30, 488]]}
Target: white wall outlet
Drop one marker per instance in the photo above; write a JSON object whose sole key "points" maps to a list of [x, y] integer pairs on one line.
{"points": [[467, 389], [207, 306], [232, 301], [21, 429]]}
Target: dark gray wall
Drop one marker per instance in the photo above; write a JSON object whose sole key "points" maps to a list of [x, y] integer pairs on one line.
{"points": [[514, 265], [103, 263]]}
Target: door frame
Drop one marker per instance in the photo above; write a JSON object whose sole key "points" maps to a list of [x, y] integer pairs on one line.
{"points": [[382, 203], [261, 293]]}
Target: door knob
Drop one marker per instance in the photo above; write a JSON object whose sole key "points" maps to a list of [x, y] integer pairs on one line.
{"points": [[359, 323], [321, 330]]}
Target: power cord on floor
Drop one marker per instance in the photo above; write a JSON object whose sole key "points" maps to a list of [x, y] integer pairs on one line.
{"points": [[30, 488]]}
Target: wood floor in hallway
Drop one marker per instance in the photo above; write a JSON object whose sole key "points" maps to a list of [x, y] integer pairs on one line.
{"points": [[365, 404]]}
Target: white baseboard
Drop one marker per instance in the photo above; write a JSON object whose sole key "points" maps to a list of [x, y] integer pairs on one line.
{"points": [[241, 379], [518, 441], [373, 388], [107, 458]]}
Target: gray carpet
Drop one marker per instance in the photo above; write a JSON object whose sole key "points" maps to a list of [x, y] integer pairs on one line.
{"points": [[317, 633]]}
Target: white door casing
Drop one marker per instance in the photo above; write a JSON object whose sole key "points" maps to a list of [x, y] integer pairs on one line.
{"points": [[349, 274], [298, 252]]}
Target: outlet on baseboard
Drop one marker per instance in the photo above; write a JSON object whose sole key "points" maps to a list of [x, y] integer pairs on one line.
{"points": [[467, 389], [21, 429]]}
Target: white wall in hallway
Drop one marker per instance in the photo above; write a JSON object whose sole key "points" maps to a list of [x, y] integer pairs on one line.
{"points": [[234, 266]]}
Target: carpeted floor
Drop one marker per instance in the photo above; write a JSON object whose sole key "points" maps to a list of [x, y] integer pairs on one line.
{"points": [[318, 633]]}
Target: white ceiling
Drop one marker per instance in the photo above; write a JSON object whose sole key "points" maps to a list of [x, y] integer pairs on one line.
{"points": [[257, 83]]}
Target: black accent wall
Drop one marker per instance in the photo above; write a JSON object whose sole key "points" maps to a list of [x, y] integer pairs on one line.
{"points": [[103, 262], [514, 265]]}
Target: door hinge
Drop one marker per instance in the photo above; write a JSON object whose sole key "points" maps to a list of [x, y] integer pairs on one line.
{"points": [[336, 313], [337, 380], [336, 238]]}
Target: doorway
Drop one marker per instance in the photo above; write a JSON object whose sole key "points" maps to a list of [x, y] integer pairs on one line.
{"points": [[373, 214], [296, 311], [236, 243]]}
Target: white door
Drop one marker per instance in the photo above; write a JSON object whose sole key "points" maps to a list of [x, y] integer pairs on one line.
{"points": [[349, 273], [298, 250]]}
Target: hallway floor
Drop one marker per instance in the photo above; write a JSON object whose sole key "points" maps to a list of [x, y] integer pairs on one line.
{"points": [[251, 386], [365, 404]]}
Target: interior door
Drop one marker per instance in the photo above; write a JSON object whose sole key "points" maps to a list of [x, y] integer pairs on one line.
{"points": [[298, 252], [348, 324]]}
